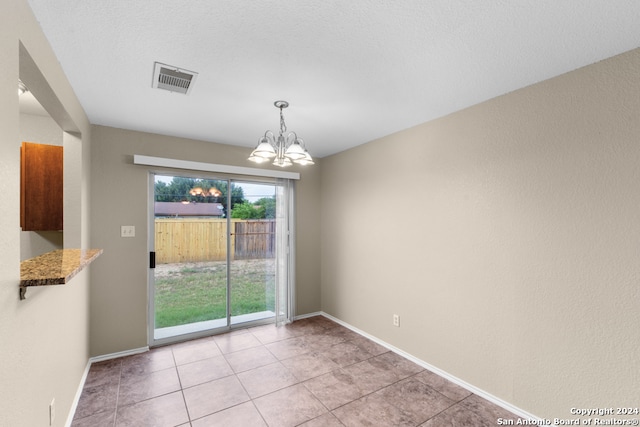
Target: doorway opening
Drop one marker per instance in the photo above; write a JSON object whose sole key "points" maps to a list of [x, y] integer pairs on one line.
{"points": [[217, 254]]}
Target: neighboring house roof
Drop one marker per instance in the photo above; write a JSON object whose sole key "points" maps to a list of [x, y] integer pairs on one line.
{"points": [[188, 209]]}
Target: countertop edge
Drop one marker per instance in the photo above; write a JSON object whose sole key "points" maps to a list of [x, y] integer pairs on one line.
{"points": [[56, 276]]}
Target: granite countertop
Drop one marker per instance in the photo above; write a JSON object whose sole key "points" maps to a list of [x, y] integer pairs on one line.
{"points": [[55, 268]]}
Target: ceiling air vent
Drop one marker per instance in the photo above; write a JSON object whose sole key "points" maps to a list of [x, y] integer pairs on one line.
{"points": [[172, 78]]}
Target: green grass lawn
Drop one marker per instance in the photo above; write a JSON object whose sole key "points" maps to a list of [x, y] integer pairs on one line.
{"points": [[195, 292]]}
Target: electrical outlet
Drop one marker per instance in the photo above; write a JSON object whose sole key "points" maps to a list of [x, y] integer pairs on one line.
{"points": [[396, 320], [127, 231], [52, 411]]}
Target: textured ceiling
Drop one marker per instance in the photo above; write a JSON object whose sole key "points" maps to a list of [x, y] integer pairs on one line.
{"points": [[353, 71]]}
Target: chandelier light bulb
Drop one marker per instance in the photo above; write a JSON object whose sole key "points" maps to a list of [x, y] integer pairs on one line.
{"points": [[306, 160], [264, 149], [295, 151]]}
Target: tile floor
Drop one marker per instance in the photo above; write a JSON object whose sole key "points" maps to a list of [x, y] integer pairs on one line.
{"points": [[313, 373]]}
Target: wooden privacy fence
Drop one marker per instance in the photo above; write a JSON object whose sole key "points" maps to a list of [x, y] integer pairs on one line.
{"points": [[204, 239], [254, 239]]}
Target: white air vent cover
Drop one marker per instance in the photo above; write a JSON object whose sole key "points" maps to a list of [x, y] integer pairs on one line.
{"points": [[172, 78]]}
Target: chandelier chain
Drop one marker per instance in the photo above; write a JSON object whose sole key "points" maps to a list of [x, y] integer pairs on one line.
{"points": [[283, 126]]}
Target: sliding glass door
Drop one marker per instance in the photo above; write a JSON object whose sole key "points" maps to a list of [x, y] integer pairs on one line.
{"points": [[217, 255], [252, 278]]}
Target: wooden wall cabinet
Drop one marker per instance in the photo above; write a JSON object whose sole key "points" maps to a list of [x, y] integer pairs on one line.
{"points": [[41, 187]]}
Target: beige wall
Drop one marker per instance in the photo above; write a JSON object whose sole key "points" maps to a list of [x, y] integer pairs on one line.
{"points": [[44, 341], [120, 188], [507, 241]]}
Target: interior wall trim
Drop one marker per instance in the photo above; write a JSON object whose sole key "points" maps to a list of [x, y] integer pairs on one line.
{"points": [[139, 159], [491, 398], [304, 316], [119, 354], [76, 399]]}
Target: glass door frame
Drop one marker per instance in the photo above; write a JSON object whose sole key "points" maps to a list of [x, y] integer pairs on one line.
{"points": [[152, 341]]}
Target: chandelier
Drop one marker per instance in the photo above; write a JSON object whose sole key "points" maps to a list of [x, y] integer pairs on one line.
{"points": [[284, 150], [198, 191]]}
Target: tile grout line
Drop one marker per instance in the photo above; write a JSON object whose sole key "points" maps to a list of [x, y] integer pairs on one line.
{"points": [[298, 383], [184, 399], [235, 374], [115, 411], [305, 333], [243, 387]]}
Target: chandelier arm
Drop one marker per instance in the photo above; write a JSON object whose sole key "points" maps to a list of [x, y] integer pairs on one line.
{"points": [[290, 140], [301, 142], [271, 138]]}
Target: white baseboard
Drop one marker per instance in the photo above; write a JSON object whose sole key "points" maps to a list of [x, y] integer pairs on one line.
{"points": [[119, 354], [475, 390], [76, 399], [304, 316]]}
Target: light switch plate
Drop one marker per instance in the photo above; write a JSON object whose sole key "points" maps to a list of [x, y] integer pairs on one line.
{"points": [[127, 231]]}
